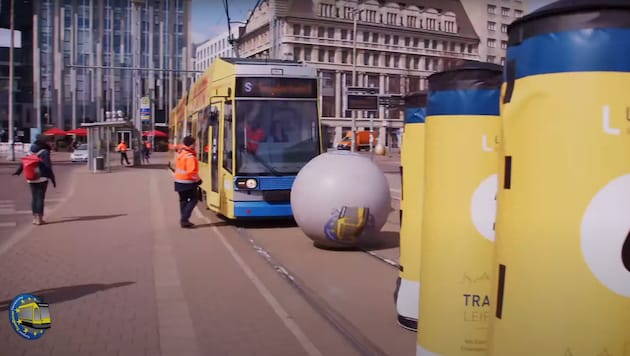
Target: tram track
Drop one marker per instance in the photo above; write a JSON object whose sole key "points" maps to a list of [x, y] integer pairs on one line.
{"points": [[361, 343]]}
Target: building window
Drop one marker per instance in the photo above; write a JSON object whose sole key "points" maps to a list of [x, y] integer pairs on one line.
{"points": [[518, 13], [502, 61], [450, 26], [366, 59], [307, 31], [387, 38], [387, 60], [344, 56], [492, 26], [415, 42], [492, 43], [331, 32], [320, 32], [433, 44], [505, 11], [491, 59], [320, 55], [411, 21], [492, 9], [371, 15], [431, 24], [396, 61], [407, 41], [395, 38], [375, 37], [331, 56], [503, 44], [427, 43], [307, 54], [296, 53], [326, 10], [416, 63], [452, 47], [375, 57], [347, 12], [391, 18], [470, 48], [366, 36], [344, 34], [296, 30], [504, 28]]}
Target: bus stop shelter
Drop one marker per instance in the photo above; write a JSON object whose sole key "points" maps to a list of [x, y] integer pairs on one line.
{"points": [[102, 137]]}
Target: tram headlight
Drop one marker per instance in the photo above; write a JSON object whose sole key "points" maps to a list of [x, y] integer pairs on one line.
{"points": [[246, 183], [251, 183]]}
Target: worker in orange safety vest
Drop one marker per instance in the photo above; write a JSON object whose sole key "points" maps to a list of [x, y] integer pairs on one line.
{"points": [[122, 148], [187, 180]]}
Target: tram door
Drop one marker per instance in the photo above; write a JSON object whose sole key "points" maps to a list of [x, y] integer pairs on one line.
{"points": [[213, 138]]}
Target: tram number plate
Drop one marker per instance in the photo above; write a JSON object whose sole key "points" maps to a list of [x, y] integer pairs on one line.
{"points": [[277, 195]]}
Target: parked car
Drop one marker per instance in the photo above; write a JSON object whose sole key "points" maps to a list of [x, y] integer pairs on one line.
{"points": [[80, 154]]}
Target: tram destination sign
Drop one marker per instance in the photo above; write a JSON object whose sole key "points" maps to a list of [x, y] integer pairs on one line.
{"points": [[276, 87]]}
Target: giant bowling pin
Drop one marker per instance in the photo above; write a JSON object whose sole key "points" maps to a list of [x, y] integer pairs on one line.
{"points": [[562, 282], [412, 173], [461, 163]]}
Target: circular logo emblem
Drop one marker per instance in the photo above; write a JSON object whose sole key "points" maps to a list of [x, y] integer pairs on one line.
{"points": [[483, 207], [29, 316], [605, 232]]}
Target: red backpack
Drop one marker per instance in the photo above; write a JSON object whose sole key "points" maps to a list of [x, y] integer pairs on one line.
{"points": [[30, 166]]}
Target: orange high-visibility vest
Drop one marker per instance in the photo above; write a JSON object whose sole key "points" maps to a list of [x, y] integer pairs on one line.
{"points": [[122, 147], [186, 166]]}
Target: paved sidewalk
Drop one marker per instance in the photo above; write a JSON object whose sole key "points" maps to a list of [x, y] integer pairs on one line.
{"points": [[110, 264]]}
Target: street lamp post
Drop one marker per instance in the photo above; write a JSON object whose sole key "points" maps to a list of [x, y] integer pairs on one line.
{"points": [[355, 12], [11, 136]]}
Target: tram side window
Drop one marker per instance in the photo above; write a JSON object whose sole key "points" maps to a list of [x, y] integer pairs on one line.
{"points": [[227, 137], [204, 123]]}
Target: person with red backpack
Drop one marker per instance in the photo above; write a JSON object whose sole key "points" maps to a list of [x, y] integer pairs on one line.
{"points": [[37, 170]]}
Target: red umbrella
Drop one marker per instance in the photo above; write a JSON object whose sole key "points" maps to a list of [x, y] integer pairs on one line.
{"points": [[81, 131], [155, 133], [55, 132]]}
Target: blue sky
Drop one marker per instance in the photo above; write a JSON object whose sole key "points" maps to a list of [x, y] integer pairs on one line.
{"points": [[208, 16]]}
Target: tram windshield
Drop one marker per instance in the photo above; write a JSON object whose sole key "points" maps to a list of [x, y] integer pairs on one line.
{"points": [[275, 137]]}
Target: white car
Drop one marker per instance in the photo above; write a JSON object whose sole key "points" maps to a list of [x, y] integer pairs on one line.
{"points": [[80, 154]]}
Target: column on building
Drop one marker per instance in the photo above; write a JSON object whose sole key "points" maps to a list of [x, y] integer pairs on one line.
{"points": [[338, 94]]}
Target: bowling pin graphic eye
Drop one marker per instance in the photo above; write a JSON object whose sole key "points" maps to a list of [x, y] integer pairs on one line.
{"points": [[483, 207], [605, 237]]}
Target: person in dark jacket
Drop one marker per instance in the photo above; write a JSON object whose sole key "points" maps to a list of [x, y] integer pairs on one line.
{"points": [[39, 186]]}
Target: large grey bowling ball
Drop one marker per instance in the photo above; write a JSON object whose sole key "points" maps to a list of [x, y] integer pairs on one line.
{"points": [[339, 199]]}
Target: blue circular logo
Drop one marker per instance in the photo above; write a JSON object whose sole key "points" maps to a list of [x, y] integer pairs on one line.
{"points": [[29, 316]]}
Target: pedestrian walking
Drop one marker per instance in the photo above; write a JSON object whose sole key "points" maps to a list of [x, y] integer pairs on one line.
{"points": [[146, 151], [122, 148], [187, 180], [37, 170]]}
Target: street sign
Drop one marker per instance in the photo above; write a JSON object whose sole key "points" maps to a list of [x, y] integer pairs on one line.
{"points": [[145, 108], [362, 102], [357, 90], [391, 100]]}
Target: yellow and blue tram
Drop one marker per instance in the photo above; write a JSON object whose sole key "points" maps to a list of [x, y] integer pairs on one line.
{"points": [[256, 124]]}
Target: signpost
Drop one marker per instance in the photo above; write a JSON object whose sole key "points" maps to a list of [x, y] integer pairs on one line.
{"points": [[145, 109], [360, 99]]}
